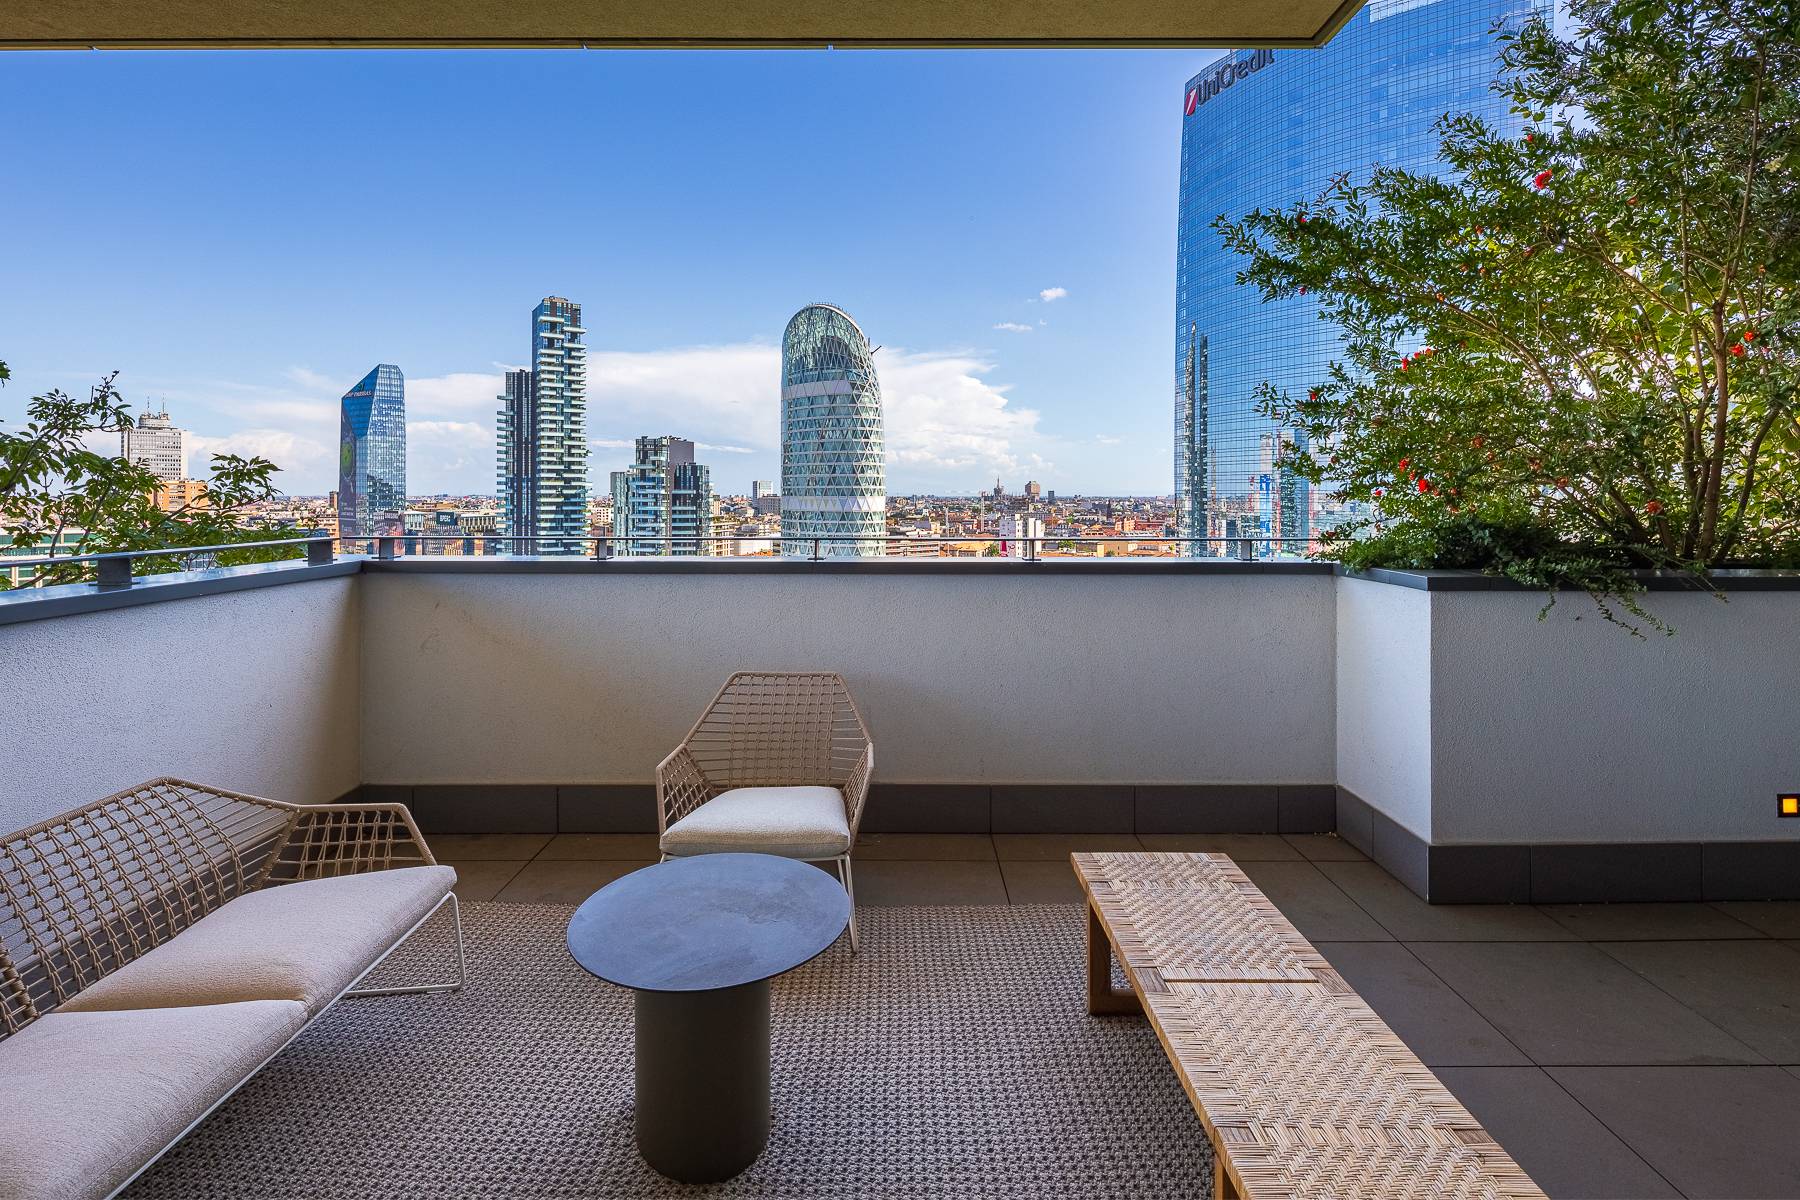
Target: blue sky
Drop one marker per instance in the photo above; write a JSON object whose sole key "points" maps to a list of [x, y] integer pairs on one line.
{"points": [[246, 234]]}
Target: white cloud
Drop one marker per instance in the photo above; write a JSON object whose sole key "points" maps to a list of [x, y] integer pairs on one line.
{"points": [[1013, 327], [947, 426], [946, 421], [1106, 439], [1054, 293]]}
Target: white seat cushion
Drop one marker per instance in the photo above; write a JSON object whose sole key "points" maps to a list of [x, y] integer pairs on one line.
{"points": [[794, 822], [91, 1097], [295, 941]]}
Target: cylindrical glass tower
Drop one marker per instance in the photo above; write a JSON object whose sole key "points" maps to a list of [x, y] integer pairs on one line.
{"points": [[833, 460]]}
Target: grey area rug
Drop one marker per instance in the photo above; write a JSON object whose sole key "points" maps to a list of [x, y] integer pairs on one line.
{"points": [[953, 1057]]}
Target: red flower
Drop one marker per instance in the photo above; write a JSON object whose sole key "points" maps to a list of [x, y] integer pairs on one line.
{"points": [[1303, 291], [1542, 178], [1654, 507], [1749, 335], [1737, 349], [1530, 137], [1477, 441], [1403, 465], [1379, 491], [1406, 362], [1440, 297], [1424, 484]]}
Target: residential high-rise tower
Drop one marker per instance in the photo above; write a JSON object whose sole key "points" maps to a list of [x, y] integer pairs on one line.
{"points": [[372, 455], [833, 457], [662, 502], [1268, 129], [542, 442]]}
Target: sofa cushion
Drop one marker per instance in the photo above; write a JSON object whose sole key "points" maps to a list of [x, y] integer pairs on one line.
{"points": [[92, 1097], [295, 941], [794, 822]]}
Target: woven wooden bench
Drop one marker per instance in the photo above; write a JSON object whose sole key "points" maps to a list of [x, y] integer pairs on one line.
{"points": [[1304, 1092]]}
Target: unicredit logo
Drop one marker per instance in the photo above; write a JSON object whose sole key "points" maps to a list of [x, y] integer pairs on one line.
{"points": [[1231, 71]]}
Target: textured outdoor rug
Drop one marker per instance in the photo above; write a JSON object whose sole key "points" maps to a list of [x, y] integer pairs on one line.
{"points": [[953, 1057]]}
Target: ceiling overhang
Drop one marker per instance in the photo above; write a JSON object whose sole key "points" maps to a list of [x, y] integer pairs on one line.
{"points": [[127, 24]]}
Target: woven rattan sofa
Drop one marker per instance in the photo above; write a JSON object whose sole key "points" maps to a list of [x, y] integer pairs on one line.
{"points": [[158, 947]]}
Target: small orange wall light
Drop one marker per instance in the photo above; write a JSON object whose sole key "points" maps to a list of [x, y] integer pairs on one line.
{"points": [[1788, 804]]}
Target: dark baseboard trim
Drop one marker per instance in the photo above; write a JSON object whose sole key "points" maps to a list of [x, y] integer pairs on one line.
{"points": [[1442, 874], [1571, 873], [892, 807]]}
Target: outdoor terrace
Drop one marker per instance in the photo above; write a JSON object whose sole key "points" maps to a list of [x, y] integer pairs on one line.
{"points": [[1329, 733]]}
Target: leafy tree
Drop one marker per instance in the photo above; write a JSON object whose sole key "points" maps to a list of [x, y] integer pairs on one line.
{"points": [[54, 485], [1574, 353]]}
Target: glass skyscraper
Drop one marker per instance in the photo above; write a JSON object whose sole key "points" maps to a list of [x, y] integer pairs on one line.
{"points": [[662, 503], [833, 458], [372, 455], [1267, 129], [542, 440]]}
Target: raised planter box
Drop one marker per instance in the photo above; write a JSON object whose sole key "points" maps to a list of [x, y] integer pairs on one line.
{"points": [[1485, 755]]}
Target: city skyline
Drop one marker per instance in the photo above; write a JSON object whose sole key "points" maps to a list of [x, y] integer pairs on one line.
{"points": [[957, 238]]}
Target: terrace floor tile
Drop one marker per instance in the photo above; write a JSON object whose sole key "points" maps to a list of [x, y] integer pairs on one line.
{"points": [[1651, 922], [483, 878], [1566, 1003], [935, 847], [1056, 847], [609, 846], [1434, 1021], [1319, 909], [1242, 847], [1324, 847], [1402, 913], [1710, 1131], [565, 881], [462, 847], [1561, 1145], [1777, 918], [1041, 883], [1751, 990], [889, 882]]}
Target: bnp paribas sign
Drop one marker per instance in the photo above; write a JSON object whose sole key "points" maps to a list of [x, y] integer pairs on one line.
{"points": [[1232, 70]]}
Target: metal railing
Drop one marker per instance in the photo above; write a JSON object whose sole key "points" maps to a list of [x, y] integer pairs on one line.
{"points": [[117, 569]]}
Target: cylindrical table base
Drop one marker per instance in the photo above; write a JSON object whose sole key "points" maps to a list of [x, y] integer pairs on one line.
{"points": [[703, 1080]]}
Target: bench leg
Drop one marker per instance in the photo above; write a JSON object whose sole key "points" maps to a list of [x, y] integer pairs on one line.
{"points": [[1223, 1188], [1103, 999]]}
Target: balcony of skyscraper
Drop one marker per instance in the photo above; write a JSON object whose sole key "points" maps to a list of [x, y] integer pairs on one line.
{"points": [[1394, 794], [1567, 921]]}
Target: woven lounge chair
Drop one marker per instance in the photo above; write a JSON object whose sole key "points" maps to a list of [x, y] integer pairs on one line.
{"points": [[778, 763]]}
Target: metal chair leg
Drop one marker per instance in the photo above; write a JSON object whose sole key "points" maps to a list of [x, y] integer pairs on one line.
{"points": [[462, 959], [843, 864]]}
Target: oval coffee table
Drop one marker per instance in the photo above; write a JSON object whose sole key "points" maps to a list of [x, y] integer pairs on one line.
{"points": [[698, 940]]}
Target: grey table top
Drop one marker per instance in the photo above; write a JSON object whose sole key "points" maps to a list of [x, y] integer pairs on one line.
{"points": [[709, 921]]}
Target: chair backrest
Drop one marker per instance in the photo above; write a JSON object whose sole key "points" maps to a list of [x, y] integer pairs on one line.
{"points": [[85, 893], [769, 729]]}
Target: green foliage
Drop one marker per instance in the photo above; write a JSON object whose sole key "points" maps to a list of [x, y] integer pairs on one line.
{"points": [[1576, 352], [55, 485]]}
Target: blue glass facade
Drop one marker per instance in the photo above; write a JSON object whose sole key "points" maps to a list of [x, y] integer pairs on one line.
{"points": [[833, 457], [1266, 129], [372, 455]]}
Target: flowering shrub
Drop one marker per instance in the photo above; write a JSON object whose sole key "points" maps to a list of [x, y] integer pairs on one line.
{"points": [[1574, 353]]}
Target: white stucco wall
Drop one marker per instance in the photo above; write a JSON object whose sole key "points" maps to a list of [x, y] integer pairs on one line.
{"points": [[255, 691], [1052, 678], [1569, 730], [1384, 699]]}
